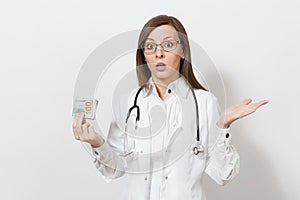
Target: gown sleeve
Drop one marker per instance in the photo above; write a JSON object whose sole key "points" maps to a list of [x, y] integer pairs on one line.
{"points": [[223, 160], [111, 158]]}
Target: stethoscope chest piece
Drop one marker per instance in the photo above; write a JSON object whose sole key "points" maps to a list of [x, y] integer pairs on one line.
{"points": [[198, 149]]}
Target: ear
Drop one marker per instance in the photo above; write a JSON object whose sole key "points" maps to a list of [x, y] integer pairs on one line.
{"points": [[182, 53]]}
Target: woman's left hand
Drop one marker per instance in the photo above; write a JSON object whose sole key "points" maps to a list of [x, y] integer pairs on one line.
{"points": [[238, 111]]}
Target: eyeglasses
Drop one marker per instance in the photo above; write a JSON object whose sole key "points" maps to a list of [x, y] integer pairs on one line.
{"points": [[168, 45]]}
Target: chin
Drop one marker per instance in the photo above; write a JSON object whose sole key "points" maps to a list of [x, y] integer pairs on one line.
{"points": [[163, 75]]}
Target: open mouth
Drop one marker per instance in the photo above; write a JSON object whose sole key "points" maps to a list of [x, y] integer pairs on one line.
{"points": [[161, 66]]}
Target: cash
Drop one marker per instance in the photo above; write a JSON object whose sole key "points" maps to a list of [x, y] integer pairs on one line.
{"points": [[86, 106]]}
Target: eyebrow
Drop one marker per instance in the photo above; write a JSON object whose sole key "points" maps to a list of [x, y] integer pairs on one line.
{"points": [[163, 39]]}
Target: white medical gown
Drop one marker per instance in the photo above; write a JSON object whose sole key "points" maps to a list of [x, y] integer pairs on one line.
{"points": [[157, 157]]}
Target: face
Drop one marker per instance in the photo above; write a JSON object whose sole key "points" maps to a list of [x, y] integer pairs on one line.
{"points": [[163, 64]]}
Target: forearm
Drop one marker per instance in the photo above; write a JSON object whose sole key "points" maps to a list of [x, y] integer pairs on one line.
{"points": [[108, 162]]}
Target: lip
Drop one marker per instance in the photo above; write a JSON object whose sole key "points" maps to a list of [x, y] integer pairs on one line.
{"points": [[160, 66]]}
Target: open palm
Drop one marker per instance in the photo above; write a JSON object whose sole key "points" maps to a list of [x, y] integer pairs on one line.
{"points": [[238, 111]]}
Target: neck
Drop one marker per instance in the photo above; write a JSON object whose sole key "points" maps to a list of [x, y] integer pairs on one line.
{"points": [[162, 84]]}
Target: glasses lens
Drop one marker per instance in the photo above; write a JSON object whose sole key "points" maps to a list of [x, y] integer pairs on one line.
{"points": [[149, 47], [169, 45]]}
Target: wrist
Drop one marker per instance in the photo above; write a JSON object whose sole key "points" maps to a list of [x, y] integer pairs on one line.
{"points": [[97, 143], [223, 124]]}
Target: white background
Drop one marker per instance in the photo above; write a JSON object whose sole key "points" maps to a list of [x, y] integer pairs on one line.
{"points": [[254, 44]]}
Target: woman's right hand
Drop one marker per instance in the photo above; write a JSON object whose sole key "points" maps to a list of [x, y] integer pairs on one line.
{"points": [[84, 132]]}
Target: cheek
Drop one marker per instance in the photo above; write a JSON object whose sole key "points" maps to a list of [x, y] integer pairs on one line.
{"points": [[149, 59], [175, 62], [150, 65]]}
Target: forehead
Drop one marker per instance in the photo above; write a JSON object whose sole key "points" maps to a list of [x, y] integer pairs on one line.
{"points": [[163, 32]]}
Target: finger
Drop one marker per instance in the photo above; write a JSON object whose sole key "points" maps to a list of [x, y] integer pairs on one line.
{"points": [[76, 136], [78, 127], [80, 118], [91, 129], [75, 123], [85, 128], [75, 119], [259, 104]]}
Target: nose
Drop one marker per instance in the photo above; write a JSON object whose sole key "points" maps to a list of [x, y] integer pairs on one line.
{"points": [[159, 53]]}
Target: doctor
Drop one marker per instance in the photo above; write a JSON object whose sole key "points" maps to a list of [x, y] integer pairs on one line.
{"points": [[156, 153]]}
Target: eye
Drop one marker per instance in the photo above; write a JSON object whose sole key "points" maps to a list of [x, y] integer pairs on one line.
{"points": [[149, 46], [168, 44]]}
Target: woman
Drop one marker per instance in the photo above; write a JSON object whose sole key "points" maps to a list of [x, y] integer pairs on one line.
{"points": [[164, 165]]}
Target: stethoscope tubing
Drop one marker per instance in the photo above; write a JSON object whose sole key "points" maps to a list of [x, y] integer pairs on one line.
{"points": [[198, 149]]}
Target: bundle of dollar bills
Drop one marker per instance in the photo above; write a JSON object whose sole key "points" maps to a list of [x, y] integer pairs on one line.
{"points": [[86, 106]]}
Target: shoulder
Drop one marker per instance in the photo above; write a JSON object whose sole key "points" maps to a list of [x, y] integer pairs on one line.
{"points": [[122, 100], [204, 95], [137, 92], [208, 100]]}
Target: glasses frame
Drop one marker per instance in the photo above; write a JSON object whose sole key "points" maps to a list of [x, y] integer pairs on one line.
{"points": [[160, 44]]}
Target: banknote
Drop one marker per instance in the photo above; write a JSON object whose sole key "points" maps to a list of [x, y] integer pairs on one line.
{"points": [[86, 106]]}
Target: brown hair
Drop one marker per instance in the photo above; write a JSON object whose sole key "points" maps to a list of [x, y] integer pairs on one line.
{"points": [[185, 69]]}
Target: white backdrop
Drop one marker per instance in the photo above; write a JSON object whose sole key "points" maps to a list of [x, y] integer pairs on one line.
{"points": [[254, 44]]}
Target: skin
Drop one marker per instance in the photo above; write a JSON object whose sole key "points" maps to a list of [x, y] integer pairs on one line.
{"points": [[171, 59], [83, 131]]}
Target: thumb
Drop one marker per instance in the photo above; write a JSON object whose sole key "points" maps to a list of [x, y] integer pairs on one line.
{"points": [[246, 101]]}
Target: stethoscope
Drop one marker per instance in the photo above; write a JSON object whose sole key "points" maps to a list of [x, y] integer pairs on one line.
{"points": [[197, 150]]}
